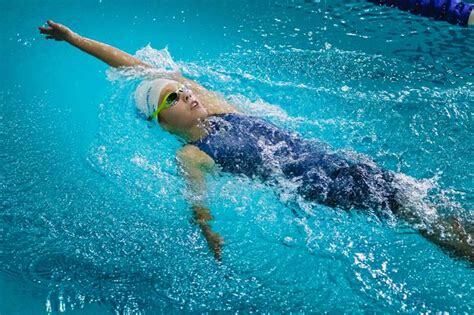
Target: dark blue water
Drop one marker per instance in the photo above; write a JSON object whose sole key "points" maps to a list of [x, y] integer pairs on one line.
{"points": [[93, 214]]}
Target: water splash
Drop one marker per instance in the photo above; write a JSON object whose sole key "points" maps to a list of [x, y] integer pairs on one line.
{"points": [[116, 238]]}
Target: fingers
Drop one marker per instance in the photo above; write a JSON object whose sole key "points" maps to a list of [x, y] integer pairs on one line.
{"points": [[218, 255], [52, 26], [217, 249], [52, 23], [52, 37], [44, 30], [56, 26], [51, 30]]}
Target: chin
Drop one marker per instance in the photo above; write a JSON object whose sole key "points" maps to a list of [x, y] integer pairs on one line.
{"points": [[202, 112]]}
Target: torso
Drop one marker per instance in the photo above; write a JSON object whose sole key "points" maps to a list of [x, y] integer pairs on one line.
{"points": [[248, 145], [251, 146]]}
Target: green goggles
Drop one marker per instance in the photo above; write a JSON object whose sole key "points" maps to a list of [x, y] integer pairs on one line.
{"points": [[168, 101]]}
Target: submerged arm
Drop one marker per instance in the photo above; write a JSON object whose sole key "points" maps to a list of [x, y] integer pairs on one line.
{"points": [[194, 163], [108, 54]]}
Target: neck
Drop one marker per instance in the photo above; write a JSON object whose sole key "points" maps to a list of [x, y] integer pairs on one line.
{"points": [[193, 133]]}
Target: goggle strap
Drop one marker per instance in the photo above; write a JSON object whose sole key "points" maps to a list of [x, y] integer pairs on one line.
{"points": [[162, 106]]}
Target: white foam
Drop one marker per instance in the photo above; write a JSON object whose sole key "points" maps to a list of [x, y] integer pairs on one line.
{"points": [[412, 194]]}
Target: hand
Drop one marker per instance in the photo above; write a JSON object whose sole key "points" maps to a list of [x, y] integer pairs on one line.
{"points": [[56, 31], [215, 242], [201, 214]]}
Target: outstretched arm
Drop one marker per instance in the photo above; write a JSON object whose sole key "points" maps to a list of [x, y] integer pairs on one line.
{"points": [[108, 54], [114, 57], [194, 163]]}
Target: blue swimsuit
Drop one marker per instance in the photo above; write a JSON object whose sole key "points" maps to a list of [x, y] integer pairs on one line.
{"points": [[453, 11], [253, 147]]}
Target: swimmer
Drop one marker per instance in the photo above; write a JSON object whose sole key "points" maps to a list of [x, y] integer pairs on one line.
{"points": [[453, 11], [219, 137]]}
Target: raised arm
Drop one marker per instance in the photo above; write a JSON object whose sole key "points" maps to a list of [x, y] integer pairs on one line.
{"points": [[115, 57], [108, 54], [193, 164]]}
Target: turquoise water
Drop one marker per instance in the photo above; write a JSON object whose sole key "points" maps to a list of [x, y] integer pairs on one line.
{"points": [[93, 213]]}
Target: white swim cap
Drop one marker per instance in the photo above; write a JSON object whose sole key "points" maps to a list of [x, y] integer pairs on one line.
{"points": [[148, 93]]}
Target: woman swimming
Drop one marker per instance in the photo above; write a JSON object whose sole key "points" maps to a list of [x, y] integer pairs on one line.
{"points": [[219, 137]]}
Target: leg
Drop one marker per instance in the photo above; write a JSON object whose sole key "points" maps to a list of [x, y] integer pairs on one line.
{"points": [[452, 235]]}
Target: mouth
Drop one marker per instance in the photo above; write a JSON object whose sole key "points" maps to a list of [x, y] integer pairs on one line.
{"points": [[194, 105]]}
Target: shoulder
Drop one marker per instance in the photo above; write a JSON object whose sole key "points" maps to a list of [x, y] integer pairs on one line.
{"points": [[192, 154]]}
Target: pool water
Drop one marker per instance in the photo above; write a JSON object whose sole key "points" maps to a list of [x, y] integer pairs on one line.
{"points": [[94, 217]]}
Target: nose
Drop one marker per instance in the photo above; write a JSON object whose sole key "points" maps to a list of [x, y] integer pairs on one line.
{"points": [[187, 96]]}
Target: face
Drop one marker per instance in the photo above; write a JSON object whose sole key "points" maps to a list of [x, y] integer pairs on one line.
{"points": [[185, 113]]}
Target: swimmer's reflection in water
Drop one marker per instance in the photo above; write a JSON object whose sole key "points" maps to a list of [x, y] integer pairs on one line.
{"points": [[218, 137]]}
